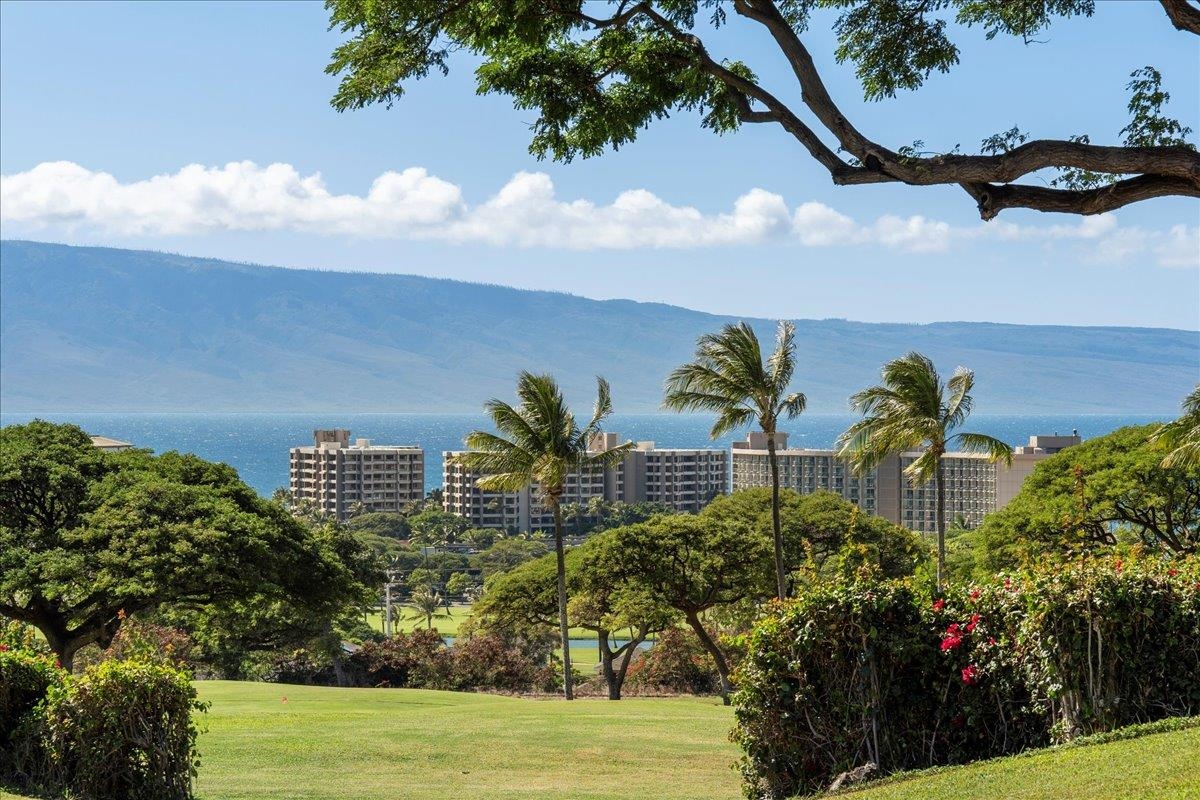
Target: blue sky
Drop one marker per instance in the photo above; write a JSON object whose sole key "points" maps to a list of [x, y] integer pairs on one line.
{"points": [[742, 224]]}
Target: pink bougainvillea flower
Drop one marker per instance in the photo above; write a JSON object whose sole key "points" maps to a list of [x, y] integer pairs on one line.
{"points": [[951, 642], [939, 604], [974, 623], [970, 675]]}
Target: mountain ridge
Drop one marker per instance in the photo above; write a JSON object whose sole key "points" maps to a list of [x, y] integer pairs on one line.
{"points": [[106, 329]]}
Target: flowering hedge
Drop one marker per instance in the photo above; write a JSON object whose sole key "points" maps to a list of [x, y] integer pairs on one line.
{"points": [[875, 672]]}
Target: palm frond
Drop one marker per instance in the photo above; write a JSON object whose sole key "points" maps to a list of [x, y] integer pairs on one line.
{"points": [[982, 443], [922, 470]]}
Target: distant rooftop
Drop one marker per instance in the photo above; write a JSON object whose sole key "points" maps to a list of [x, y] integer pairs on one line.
{"points": [[105, 443]]}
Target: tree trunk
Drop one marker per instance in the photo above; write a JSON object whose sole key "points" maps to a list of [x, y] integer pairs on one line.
{"points": [[563, 627], [606, 665], [941, 525], [630, 652], [776, 527], [714, 650]]}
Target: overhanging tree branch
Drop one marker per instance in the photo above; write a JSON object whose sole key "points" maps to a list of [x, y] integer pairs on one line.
{"points": [[1184, 15]]}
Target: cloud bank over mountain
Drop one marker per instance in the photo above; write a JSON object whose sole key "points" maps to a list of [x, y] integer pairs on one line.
{"points": [[525, 212]]}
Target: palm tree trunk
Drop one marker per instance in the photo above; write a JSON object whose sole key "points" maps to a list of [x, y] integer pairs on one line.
{"points": [[776, 527], [563, 627], [941, 526]]}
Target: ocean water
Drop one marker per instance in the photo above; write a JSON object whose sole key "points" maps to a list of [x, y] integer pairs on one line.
{"points": [[257, 444]]}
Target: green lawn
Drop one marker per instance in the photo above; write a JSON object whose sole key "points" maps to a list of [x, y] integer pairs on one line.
{"points": [[1160, 766], [407, 743], [334, 744]]}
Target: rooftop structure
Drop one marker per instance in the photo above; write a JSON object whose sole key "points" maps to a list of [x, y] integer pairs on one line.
{"points": [[110, 445]]}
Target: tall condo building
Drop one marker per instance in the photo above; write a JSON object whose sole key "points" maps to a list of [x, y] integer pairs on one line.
{"points": [[682, 480], [975, 486], [335, 474]]}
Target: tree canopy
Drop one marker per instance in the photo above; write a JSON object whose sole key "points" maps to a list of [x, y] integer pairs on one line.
{"points": [[88, 537], [1093, 495], [597, 75]]}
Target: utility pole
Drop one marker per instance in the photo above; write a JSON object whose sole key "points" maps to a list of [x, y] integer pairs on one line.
{"points": [[392, 574]]}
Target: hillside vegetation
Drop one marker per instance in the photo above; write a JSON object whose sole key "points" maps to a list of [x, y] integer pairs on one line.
{"points": [[99, 329]]}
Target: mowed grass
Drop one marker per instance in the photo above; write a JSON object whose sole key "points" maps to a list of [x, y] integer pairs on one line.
{"points": [[409, 743], [1160, 766]]}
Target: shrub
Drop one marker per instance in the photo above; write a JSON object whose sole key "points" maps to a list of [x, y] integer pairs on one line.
{"points": [[1120, 639], [25, 678], [123, 729], [874, 671], [496, 661], [417, 660], [676, 663]]}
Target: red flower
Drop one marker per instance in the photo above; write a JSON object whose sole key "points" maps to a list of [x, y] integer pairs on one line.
{"points": [[1008, 584], [1172, 572], [951, 642], [992, 640], [3, 648], [939, 604], [975, 594], [970, 675], [974, 623], [1118, 565]]}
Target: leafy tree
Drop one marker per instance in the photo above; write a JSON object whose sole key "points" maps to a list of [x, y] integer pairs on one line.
{"points": [[596, 75], [909, 411], [603, 601], [729, 378], [461, 584], [544, 446], [506, 554], [1092, 495], [1182, 436], [381, 523], [825, 534], [85, 535], [693, 564]]}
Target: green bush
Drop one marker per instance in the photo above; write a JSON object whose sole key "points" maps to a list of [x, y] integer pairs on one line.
{"points": [[25, 678], [874, 671], [123, 729]]}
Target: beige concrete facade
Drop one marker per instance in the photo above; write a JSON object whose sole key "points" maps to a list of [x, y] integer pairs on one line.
{"points": [[682, 480], [975, 486], [336, 475]]}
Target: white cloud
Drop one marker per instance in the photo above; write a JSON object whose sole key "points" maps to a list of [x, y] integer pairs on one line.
{"points": [[525, 212], [1179, 248]]}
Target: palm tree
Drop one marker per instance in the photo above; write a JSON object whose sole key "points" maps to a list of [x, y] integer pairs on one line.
{"points": [[426, 601], [544, 446], [1183, 435], [730, 379], [909, 411]]}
